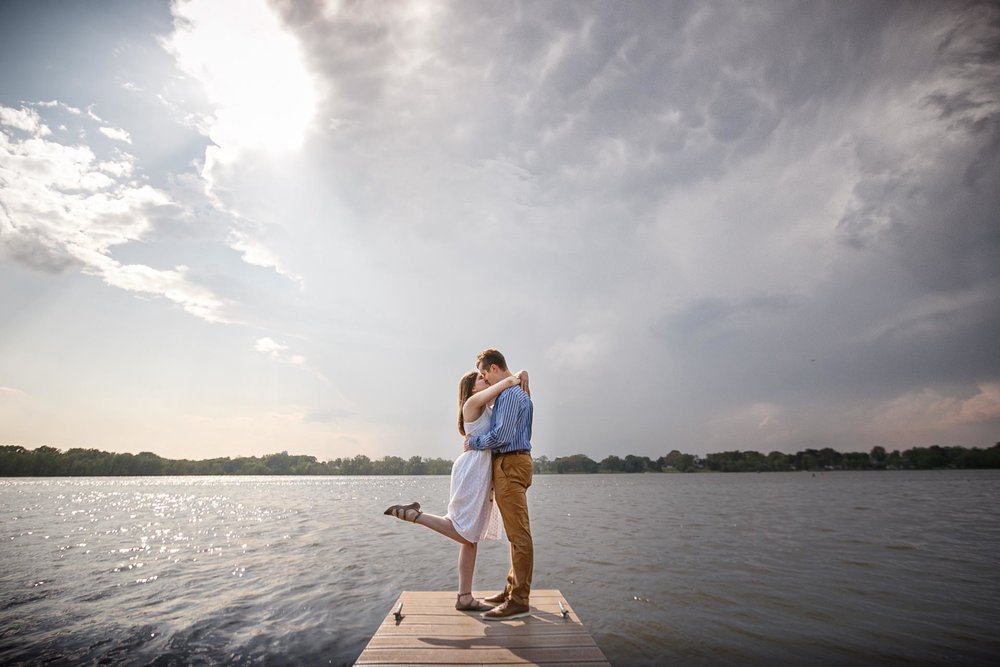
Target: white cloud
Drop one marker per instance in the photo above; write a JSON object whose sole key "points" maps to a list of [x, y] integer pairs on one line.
{"points": [[252, 70], [62, 206], [119, 168], [262, 98], [171, 284], [276, 350], [56, 104], [926, 414], [253, 250], [23, 119], [116, 134], [10, 391], [269, 346]]}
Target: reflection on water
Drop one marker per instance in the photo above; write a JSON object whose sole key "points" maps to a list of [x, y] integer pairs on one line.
{"points": [[839, 568]]}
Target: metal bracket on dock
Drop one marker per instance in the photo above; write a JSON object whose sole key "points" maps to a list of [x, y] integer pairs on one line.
{"points": [[398, 613], [563, 610]]}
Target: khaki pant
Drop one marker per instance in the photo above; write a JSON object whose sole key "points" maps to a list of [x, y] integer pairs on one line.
{"points": [[511, 479]]}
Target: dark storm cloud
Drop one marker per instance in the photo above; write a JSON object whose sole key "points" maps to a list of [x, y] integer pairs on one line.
{"points": [[612, 114], [941, 217]]}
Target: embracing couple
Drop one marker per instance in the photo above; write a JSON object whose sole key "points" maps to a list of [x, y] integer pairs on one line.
{"points": [[489, 484]]}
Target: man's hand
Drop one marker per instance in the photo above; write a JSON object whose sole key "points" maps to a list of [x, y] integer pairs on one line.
{"points": [[467, 447], [522, 376]]}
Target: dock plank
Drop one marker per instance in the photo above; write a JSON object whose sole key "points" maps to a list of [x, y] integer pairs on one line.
{"points": [[433, 632], [576, 640]]}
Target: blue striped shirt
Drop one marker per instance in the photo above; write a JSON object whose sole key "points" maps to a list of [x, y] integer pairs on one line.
{"points": [[510, 425]]}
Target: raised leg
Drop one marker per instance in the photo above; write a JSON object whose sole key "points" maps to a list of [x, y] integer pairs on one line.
{"points": [[440, 524]]}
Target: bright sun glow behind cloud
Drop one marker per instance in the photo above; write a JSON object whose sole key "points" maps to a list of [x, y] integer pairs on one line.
{"points": [[252, 72]]}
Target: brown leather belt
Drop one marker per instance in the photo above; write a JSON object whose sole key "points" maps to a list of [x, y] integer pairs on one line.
{"points": [[519, 451]]}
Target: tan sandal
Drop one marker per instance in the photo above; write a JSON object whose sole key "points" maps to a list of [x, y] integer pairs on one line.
{"points": [[475, 605], [399, 511]]}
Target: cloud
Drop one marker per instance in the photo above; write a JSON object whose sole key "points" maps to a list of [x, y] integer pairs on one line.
{"points": [[10, 392], [268, 346], [262, 100], [242, 432], [278, 351], [171, 284], [762, 206], [767, 224], [711, 317], [261, 94], [327, 416], [580, 353], [62, 206], [116, 134], [26, 120], [761, 423], [247, 239], [929, 415]]}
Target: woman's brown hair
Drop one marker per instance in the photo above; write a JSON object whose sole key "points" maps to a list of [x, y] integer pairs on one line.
{"points": [[465, 386]]}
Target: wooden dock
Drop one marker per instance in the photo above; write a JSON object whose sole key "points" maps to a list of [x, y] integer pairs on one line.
{"points": [[432, 632]]}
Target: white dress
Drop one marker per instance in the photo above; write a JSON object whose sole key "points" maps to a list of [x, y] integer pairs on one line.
{"points": [[471, 507]]}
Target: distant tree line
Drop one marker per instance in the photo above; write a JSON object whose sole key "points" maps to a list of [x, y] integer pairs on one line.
{"points": [[581, 463], [16, 461], [917, 458]]}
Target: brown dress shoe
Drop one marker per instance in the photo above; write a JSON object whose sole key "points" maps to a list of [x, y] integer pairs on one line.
{"points": [[499, 598], [508, 611]]}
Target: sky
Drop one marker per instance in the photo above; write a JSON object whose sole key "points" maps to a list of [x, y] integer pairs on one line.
{"points": [[238, 227]]}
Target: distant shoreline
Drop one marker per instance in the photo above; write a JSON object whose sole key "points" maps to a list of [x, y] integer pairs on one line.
{"points": [[44, 461], [4, 476]]}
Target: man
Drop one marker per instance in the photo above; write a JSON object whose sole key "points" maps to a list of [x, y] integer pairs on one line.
{"points": [[510, 439]]}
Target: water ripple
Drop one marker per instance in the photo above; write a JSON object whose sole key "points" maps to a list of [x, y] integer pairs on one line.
{"points": [[717, 569]]}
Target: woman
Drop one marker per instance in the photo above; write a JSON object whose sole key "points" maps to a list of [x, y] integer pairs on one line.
{"points": [[472, 515]]}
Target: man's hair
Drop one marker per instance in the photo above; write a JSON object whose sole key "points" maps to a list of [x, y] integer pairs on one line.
{"points": [[489, 357]]}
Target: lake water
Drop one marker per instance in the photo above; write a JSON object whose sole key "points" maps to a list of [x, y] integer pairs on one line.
{"points": [[715, 569]]}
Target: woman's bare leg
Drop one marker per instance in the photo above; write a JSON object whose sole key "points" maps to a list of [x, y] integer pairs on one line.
{"points": [[466, 551], [466, 566], [441, 525]]}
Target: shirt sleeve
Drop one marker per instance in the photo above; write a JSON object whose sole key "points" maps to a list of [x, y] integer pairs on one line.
{"points": [[502, 425]]}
